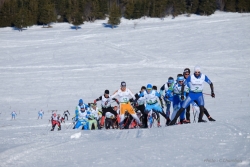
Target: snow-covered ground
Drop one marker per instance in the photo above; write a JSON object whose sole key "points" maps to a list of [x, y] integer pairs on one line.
{"points": [[52, 68]]}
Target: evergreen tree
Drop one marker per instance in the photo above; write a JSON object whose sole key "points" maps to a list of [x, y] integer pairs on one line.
{"points": [[179, 7], [160, 8], [46, 13], [129, 10], [32, 13], [207, 7], [230, 6], [137, 10], [103, 9], [77, 19], [192, 6], [5, 15], [242, 6], [114, 15], [21, 19]]}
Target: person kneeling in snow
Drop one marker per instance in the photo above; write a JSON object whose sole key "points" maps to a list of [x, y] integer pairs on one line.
{"points": [[55, 121], [82, 119]]}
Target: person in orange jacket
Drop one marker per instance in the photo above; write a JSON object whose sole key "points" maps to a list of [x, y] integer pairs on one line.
{"points": [[124, 95]]}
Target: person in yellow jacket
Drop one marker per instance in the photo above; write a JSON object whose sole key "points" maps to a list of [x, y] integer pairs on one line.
{"points": [[124, 95]]}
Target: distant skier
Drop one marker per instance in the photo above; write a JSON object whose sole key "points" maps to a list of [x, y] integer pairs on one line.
{"points": [[13, 114], [40, 114], [65, 114], [55, 120], [195, 84]]}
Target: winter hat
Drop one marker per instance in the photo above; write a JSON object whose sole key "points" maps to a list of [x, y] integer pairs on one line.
{"points": [[170, 80], [197, 68], [123, 83], [106, 91], [149, 86], [180, 78], [80, 101], [186, 70]]}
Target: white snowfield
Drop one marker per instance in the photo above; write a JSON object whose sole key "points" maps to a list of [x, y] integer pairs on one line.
{"points": [[52, 68]]}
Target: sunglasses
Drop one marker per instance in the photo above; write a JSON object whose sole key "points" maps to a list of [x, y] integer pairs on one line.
{"points": [[180, 81], [186, 74]]}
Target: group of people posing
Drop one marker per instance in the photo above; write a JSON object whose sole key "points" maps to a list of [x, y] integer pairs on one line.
{"points": [[137, 108]]}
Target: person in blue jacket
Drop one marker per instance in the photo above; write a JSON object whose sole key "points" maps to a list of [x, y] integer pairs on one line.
{"points": [[151, 98], [195, 84]]}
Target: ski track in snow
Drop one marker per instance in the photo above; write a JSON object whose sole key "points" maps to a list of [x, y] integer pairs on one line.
{"points": [[51, 69]]}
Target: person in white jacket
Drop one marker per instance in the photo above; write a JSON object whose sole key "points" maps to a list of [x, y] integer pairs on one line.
{"points": [[124, 95]]}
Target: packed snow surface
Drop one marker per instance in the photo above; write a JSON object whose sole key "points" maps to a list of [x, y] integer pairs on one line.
{"points": [[52, 68]]}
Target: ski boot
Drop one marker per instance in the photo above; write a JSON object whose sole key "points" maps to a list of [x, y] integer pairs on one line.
{"points": [[211, 119], [201, 120]]}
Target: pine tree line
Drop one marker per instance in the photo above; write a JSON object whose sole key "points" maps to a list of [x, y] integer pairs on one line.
{"points": [[24, 13]]}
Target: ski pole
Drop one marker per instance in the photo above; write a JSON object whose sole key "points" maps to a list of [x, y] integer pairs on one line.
{"points": [[206, 94]]}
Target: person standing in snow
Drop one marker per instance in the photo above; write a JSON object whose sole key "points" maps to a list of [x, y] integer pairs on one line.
{"points": [[186, 74], [13, 115], [106, 105], [141, 107], [195, 84], [65, 114], [55, 120], [95, 113], [82, 119], [124, 95], [40, 114], [177, 101], [165, 87], [78, 109], [151, 98]]}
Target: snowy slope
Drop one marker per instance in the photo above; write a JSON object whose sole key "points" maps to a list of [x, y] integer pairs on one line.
{"points": [[51, 69]]}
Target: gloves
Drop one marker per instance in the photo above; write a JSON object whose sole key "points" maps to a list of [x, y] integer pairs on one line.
{"points": [[182, 97], [135, 103], [117, 102], [213, 95], [95, 101]]}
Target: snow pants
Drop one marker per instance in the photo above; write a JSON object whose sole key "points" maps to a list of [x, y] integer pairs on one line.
{"points": [[127, 107], [93, 122], [82, 122]]}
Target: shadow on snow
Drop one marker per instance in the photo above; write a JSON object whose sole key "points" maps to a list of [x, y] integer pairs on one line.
{"points": [[108, 25], [74, 27]]}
